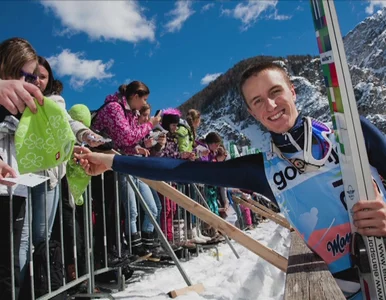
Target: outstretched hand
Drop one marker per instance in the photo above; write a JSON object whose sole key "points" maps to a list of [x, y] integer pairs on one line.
{"points": [[370, 215], [92, 162]]}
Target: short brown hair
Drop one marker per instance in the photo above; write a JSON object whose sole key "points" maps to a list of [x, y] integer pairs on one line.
{"points": [[14, 54], [255, 70]]}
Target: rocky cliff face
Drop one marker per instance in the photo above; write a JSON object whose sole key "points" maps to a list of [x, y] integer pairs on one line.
{"points": [[223, 109]]}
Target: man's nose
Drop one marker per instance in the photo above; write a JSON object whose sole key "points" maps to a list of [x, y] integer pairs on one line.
{"points": [[271, 104]]}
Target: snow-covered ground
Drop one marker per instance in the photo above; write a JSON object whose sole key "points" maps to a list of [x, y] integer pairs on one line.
{"points": [[247, 278]]}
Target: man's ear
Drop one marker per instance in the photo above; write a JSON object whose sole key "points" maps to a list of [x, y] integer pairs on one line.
{"points": [[250, 112]]}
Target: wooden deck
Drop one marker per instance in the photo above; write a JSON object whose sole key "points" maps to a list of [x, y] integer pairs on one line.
{"points": [[307, 275]]}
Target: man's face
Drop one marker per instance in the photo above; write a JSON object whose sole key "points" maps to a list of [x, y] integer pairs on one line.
{"points": [[271, 100]]}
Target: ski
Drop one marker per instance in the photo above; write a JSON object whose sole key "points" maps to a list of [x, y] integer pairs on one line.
{"points": [[368, 253]]}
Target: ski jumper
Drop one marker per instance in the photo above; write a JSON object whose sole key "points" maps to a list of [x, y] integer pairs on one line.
{"points": [[311, 201]]}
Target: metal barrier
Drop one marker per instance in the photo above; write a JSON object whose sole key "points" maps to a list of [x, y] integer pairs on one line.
{"points": [[86, 270], [75, 223]]}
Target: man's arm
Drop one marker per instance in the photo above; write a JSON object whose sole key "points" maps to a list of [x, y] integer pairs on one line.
{"points": [[244, 172], [375, 142]]}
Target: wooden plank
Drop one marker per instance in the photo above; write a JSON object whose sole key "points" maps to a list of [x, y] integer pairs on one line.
{"points": [[272, 216], [207, 216], [198, 288], [262, 207], [308, 276]]}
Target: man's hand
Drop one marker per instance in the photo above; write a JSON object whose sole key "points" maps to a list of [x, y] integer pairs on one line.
{"points": [[15, 95], [370, 215], [93, 163]]}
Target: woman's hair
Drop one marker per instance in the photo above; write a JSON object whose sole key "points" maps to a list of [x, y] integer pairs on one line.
{"points": [[192, 116], [134, 87], [49, 88], [57, 87], [144, 108], [213, 138], [14, 54]]}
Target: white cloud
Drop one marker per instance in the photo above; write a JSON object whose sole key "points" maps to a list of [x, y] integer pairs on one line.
{"points": [[108, 20], [190, 75], [276, 16], [80, 70], [182, 11], [206, 7], [249, 12], [373, 4], [209, 78]]}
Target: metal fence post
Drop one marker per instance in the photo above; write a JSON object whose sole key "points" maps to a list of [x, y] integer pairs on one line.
{"points": [[159, 231], [207, 207]]}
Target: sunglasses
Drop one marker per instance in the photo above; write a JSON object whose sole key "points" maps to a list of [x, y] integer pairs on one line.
{"points": [[29, 77]]}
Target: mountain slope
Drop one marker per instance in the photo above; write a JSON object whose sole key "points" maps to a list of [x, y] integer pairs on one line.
{"points": [[224, 111]]}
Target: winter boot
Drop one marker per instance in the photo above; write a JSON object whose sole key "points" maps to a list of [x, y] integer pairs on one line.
{"points": [[193, 237], [138, 248], [148, 243], [178, 230], [201, 235], [127, 272]]}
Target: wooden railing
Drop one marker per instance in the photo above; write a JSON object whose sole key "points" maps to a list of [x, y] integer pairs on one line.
{"points": [[307, 275]]}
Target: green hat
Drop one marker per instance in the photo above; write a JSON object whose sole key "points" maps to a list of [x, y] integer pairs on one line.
{"points": [[78, 181], [81, 113], [43, 140]]}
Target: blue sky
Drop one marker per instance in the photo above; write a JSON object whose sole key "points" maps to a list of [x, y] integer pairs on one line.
{"points": [[176, 48]]}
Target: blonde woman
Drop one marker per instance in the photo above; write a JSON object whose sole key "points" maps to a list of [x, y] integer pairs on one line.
{"points": [[18, 61]]}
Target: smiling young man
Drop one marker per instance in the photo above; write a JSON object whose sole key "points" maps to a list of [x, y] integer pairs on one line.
{"points": [[301, 172]]}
